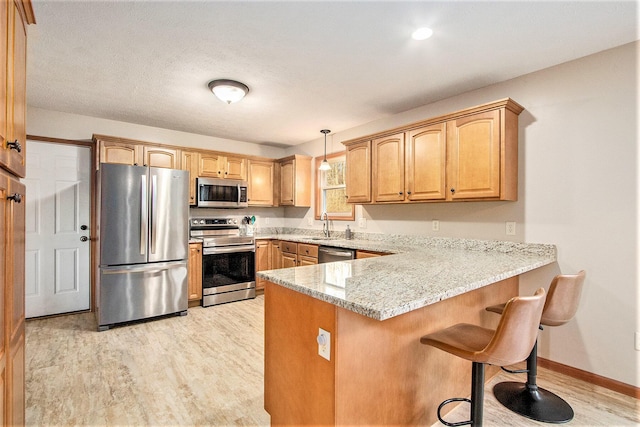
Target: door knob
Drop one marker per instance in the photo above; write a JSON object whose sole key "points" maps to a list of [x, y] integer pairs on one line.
{"points": [[84, 238], [15, 145], [83, 227]]}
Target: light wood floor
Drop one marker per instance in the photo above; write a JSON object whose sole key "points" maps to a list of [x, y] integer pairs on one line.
{"points": [[206, 368]]}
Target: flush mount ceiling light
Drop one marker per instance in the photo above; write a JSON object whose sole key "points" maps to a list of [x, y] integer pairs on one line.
{"points": [[325, 166], [228, 91], [422, 33]]}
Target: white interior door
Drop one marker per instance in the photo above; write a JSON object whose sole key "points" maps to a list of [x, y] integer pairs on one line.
{"points": [[58, 208]]}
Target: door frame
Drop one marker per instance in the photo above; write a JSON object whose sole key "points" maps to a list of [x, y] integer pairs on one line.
{"points": [[92, 208]]}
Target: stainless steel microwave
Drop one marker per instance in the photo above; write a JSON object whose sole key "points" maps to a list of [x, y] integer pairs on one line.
{"points": [[221, 193]]}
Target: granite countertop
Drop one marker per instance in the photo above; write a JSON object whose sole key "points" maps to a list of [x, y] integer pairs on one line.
{"points": [[420, 271]]}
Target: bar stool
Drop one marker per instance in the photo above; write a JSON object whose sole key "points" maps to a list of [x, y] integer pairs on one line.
{"points": [[528, 399], [511, 341]]}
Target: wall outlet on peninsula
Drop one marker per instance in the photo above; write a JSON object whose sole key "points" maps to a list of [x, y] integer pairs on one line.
{"points": [[510, 228]]}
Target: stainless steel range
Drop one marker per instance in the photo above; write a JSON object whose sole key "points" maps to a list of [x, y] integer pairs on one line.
{"points": [[228, 260]]}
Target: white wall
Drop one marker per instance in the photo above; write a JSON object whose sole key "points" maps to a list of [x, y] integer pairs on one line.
{"points": [[55, 124], [578, 189]]}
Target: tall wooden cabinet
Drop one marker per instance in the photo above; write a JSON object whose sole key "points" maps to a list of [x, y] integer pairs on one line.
{"points": [[358, 177], [295, 181], [15, 15], [195, 272], [261, 176]]}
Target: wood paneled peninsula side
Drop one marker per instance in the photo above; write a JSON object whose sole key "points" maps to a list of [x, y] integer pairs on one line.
{"points": [[376, 310]]}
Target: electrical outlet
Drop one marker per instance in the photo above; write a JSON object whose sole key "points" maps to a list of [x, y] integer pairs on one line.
{"points": [[362, 223], [510, 228], [324, 343], [638, 341], [435, 225], [309, 221]]}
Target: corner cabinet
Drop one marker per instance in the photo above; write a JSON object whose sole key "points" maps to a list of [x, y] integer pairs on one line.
{"points": [[295, 181], [15, 15], [468, 155]]}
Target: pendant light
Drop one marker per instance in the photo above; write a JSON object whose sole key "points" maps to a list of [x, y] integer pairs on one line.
{"points": [[325, 166]]}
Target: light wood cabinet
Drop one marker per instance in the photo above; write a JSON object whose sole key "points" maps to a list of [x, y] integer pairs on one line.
{"points": [[14, 17], [260, 189], [195, 271], [368, 254], [295, 181], [425, 161], [116, 152], [263, 260], [160, 157], [276, 255], [189, 162], [358, 179], [307, 254], [388, 168], [128, 152], [216, 165], [14, 144], [289, 254], [468, 155]]}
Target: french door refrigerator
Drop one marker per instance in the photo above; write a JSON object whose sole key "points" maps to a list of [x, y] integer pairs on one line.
{"points": [[143, 235]]}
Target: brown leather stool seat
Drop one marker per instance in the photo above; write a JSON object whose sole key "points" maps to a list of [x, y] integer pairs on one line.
{"points": [[511, 342], [528, 399]]}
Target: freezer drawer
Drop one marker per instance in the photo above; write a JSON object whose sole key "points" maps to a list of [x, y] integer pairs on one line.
{"points": [[136, 292]]}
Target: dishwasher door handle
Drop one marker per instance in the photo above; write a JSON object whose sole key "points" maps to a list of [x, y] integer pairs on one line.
{"points": [[336, 253]]}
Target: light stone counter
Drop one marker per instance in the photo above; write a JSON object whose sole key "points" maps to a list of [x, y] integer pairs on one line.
{"points": [[421, 271]]}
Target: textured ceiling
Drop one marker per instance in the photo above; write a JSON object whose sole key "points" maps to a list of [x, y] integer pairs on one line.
{"points": [[309, 65]]}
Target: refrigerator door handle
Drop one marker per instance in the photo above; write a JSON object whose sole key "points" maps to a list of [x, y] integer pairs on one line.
{"points": [[143, 268], [143, 215], [152, 216]]}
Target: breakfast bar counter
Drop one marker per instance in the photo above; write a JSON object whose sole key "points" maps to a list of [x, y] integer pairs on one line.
{"points": [[374, 312]]}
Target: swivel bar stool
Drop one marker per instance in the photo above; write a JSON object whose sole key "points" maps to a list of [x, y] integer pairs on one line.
{"points": [[527, 399], [510, 343]]}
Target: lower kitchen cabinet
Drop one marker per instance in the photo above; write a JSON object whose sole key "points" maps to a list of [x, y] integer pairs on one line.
{"points": [[366, 254], [263, 260], [195, 272]]}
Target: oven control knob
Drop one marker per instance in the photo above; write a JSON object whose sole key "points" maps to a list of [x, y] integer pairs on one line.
{"points": [[235, 221], [202, 221]]}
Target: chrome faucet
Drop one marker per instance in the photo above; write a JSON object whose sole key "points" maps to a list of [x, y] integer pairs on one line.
{"points": [[325, 225]]}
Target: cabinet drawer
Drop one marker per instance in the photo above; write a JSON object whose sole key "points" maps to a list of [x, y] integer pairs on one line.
{"points": [[308, 250], [289, 247]]}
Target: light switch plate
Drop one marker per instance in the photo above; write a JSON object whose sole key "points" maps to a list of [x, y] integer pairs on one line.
{"points": [[324, 343]]}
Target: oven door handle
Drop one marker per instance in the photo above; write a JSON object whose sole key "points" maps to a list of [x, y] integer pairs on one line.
{"points": [[227, 249]]}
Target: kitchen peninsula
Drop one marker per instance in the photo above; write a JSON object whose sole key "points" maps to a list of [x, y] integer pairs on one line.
{"points": [[375, 311]]}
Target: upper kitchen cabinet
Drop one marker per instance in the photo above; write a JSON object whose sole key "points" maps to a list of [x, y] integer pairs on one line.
{"points": [[261, 174], [218, 165], [358, 177], [190, 162], [388, 168], [295, 181], [15, 15], [130, 152], [468, 155]]}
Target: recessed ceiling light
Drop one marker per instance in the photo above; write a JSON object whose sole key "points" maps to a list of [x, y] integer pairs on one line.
{"points": [[422, 33]]}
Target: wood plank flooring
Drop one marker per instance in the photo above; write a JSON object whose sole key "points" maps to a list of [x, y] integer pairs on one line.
{"points": [[206, 369]]}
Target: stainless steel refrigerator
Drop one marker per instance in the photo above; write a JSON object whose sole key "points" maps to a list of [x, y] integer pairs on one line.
{"points": [[143, 235]]}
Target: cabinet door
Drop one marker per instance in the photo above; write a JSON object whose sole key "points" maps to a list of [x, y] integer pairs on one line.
{"points": [[388, 168], [276, 255], [289, 260], [16, 132], [287, 182], [160, 157], [235, 168], [474, 153], [189, 162], [4, 235], [4, 99], [305, 260], [211, 165], [115, 152], [426, 163], [260, 183], [359, 172], [14, 304], [263, 260], [195, 271]]}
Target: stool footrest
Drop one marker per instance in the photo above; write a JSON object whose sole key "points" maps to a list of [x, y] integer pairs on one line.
{"points": [[514, 371], [446, 402]]}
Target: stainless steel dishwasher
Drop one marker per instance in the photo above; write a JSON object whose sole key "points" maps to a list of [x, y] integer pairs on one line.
{"points": [[331, 254]]}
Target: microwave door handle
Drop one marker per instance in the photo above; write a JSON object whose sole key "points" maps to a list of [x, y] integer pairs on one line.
{"points": [[239, 193], [143, 215]]}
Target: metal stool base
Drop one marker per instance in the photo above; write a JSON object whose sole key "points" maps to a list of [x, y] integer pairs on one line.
{"points": [[535, 403]]}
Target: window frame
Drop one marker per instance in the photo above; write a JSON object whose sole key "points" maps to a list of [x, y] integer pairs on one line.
{"points": [[318, 203]]}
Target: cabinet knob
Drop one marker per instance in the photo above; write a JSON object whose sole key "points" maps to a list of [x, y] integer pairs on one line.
{"points": [[135, 164], [15, 145], [400, 193], [226, 173], [15, 197], [408, 192], [453, 190]]}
